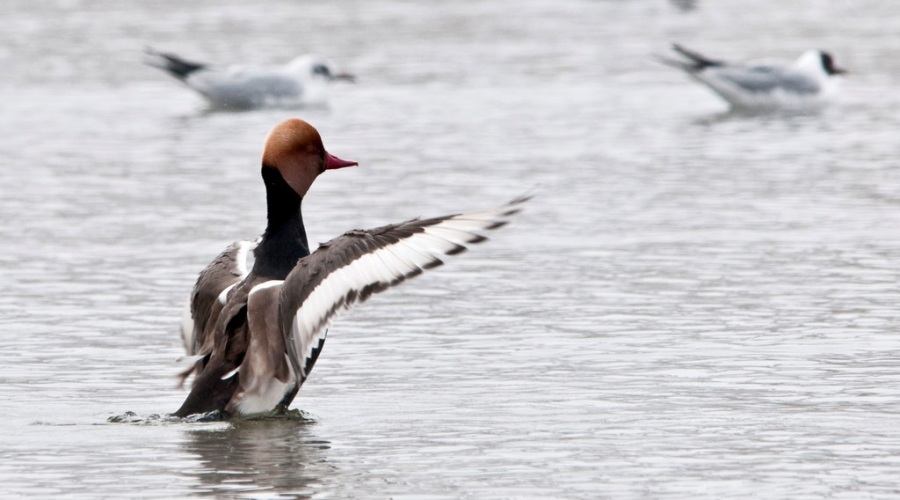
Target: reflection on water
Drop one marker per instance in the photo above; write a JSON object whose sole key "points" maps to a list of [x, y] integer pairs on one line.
{"points": [[275, 458]]}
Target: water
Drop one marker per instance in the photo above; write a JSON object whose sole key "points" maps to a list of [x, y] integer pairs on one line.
{"points": [[695, 304]]}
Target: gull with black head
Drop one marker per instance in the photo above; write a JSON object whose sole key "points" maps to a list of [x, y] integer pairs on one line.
{"points": [[302, 81], [805, 84]]}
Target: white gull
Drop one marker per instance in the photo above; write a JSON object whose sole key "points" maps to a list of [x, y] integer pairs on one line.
{"points": [[806, 84], [302, 81]]}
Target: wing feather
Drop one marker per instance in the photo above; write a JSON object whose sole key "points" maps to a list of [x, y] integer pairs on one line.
{"points": [[212, 287], [211, 291], [762, 79], [207, 299], [350, 268]]}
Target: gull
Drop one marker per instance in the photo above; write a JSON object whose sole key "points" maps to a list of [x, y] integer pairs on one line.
{"points": [[806, 84], [302, 81]]}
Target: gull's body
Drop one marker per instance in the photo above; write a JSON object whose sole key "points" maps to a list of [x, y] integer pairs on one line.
{"points": [[303, 81], [805, 84]]}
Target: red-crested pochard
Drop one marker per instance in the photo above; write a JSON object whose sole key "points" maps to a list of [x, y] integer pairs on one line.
{"points": [[256, 331]]}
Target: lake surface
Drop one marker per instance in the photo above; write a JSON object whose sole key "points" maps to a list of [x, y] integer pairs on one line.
{"points": [[695, 304]]}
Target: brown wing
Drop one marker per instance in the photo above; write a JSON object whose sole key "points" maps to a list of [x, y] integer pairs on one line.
{"points": [[265, 376], [207, 298], [349, 269]]}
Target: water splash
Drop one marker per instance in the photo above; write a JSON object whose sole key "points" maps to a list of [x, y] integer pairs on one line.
{"points": [[130, 417], [279, 414]]}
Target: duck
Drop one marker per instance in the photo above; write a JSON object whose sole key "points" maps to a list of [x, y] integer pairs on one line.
{"points": [[302, 81], [806, 84], [260, 311]]}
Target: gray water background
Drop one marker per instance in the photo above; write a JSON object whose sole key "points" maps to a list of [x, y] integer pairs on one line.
{"points": [[696, 304]]}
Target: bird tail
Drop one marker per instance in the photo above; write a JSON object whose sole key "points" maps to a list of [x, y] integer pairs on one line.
{"points": [[170, 63], [694, 61]]}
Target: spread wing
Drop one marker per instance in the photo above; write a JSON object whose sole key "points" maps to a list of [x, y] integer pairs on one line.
{"points": [[210, 291], [350, 268]]}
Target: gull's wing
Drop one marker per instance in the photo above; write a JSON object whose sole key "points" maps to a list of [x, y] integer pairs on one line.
{"points": [[246, 86], [211, 290], [350, 268], [766, 78]]}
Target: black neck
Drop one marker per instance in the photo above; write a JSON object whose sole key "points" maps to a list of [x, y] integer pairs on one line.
{"points": [[284, 242]]}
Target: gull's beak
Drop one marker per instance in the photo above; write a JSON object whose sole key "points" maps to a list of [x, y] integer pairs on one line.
{"points": [[344, 76]]}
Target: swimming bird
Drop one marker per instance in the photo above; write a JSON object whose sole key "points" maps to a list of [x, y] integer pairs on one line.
{"points": [[807, 83], [256, 330], [302, 81]]}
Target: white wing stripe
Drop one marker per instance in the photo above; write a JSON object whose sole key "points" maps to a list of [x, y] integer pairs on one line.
{"points": [[431, 244], [453, 234], [401, 253], [264, 285], [231, 373], [381, 268], [384, 267], [423, 258], [223, 297], [394, 266], [241, 258]]}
